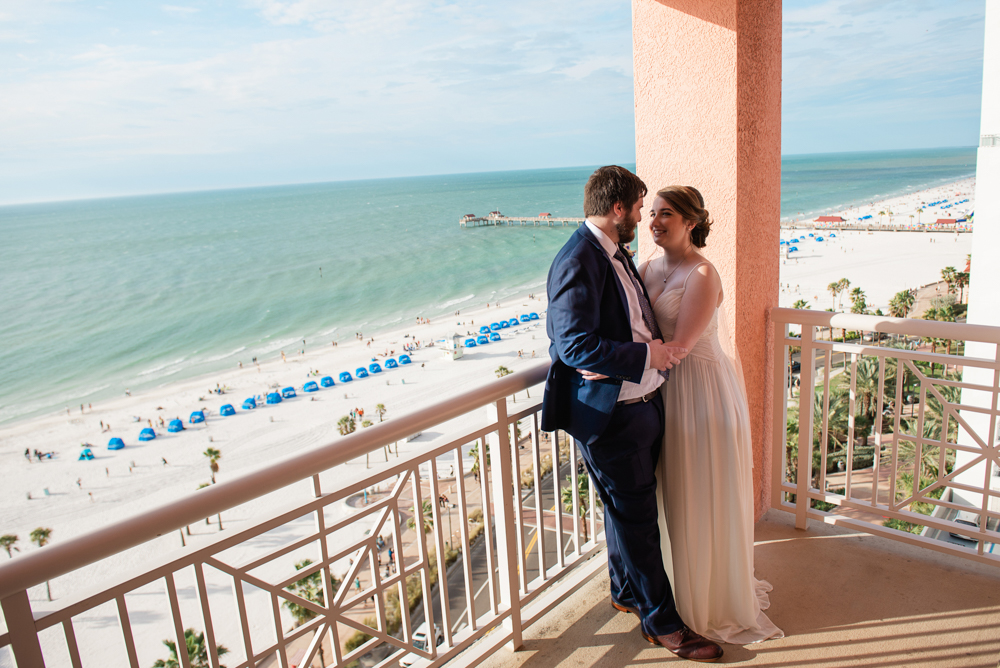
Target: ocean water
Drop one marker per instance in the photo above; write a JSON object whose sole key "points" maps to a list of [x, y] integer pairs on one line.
{"points": [[102, 295]]}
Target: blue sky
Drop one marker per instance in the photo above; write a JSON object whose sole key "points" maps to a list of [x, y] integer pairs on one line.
{"points": [[123, 97]]}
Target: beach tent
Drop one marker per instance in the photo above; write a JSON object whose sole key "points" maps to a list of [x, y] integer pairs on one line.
{"points": [[147, 434], [361, 372], [781, 242], [495, 336], [470, 343], [482, 340], [175, 426], [819, 238], [287, 392], [345, 377], [250, 404], [391, 363], [525, 318], [494, 326], [811, 234], [532, 316], [404, 359], [116, 444], [513, 322], [504, 324], [793, 249], [374, 367], [273, 398], [484, 330], [196, 417], [227, 409], [832, 234], [311, 386], [326, 381], [86, 454]]}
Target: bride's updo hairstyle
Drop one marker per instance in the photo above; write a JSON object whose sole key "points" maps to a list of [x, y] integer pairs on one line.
{"points": [[689, 203]]}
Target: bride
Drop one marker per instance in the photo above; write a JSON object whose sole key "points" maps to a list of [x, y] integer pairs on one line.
{"points": [[704, 473]]}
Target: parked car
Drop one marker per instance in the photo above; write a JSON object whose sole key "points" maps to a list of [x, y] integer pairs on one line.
{"points": [[420, 642], [966, 519]]}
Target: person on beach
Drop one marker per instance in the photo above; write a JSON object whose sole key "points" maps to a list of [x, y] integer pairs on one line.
{"points": [[600, 321]]}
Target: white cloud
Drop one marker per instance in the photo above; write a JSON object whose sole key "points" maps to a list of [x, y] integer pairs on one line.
{"points": [[179, 10]]}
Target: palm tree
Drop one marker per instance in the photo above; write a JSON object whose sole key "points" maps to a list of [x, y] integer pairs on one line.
{"points": [[197, 651], [502, 371], [961, 280], [800, 304], [834, 290], [858, 301], [8, 542], [40, 537], [919, 211], [213, 461], [880, 214], [428, 517], [475, 458], [311, 589], [583, 500], [380, 411], [346, 425], [949, 276], [844, 285]]}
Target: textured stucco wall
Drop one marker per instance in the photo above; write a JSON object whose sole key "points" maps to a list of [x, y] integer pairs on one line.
{"points": [[708, 115]]}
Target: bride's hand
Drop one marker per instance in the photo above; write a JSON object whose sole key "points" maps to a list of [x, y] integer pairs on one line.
{"points": [[590, 375]]}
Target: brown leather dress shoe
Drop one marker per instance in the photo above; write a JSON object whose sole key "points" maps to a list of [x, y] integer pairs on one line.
{"points": [[687, 644], [627, 609]]}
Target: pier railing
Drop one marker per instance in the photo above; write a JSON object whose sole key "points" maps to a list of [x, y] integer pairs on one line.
{"points": [[888, 435], [316, 577]]}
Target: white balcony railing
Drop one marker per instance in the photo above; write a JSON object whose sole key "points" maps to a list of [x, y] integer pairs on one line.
{"points": [[886, 436], [234, 587]]}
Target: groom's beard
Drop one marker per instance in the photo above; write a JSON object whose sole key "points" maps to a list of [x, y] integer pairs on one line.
{"points": [[626, 229]]}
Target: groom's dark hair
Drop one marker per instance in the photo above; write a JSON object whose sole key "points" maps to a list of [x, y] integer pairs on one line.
{"points": [[609, 185]]}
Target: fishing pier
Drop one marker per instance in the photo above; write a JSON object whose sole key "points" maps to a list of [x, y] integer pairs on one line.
{"points": [[495, 218]]}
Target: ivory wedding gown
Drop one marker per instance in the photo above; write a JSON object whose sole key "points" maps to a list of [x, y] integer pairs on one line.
{"points": [[705, 489]]}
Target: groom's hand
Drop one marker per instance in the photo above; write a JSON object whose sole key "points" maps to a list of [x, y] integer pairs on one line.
{"points": [[663, 357]]}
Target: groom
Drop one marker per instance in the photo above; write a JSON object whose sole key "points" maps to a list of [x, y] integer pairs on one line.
{"points": [[599, 320]]}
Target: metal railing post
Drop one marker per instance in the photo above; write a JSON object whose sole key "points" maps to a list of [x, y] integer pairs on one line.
{"points": [[21, 626], [502, 481]]}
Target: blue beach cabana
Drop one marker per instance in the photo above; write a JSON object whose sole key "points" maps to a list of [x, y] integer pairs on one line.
{"points": [[287, 392], [273, 398], [484, 330], [495, 336], [326, 381], [404, 359], [832, 234], [513, 322], [175, 426], [311, 386], [147, 434], [819, 238], [494, 327], [525, 318], [482, 340], [361, 372], [345, 377], [85, 455], [470, 343], [116, 444], [504, 324], [227, 409], [391, 363], [532, 316], [196, 417], [250, 404], [374, 367]]}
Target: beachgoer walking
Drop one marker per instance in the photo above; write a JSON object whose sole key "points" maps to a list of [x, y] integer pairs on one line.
{"points": [[79, 483]]}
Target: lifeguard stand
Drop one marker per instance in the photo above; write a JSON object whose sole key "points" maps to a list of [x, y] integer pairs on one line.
{"points": [[457, 349]]}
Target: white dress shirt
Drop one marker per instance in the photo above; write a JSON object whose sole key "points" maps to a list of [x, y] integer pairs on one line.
{"points": [[651, 378]]}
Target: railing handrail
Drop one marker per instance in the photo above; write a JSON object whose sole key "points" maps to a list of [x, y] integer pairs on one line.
{"points": [[57, 559], [888, 325]]}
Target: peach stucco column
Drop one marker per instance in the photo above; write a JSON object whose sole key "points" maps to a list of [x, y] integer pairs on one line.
{"points": [[708, 115]]}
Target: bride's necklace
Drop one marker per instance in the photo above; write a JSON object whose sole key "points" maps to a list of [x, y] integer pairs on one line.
{"points": [[663, 269]]}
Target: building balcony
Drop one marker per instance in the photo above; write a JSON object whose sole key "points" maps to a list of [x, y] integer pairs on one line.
{"points": [[496, 538]]}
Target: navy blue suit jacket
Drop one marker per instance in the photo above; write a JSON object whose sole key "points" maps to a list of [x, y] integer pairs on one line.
{"points": [[589, 328]]}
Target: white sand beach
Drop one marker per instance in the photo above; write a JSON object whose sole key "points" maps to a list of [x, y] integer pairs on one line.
{"points": [[73, 497]]}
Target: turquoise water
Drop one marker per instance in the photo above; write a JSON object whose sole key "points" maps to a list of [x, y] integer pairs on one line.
{"points": [[136, 292]]}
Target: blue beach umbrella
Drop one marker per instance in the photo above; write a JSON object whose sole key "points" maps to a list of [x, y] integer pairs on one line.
{"points": [[345, 377], [484, 330], [273, 398], [311, 386], [326, 381], [404, 359], [175, 426], [482, 340], [116, 444], [374, 367], [513, 322], [361, 372], [287, 392], [147, 434], [196, 417], [525, 318], [250, 404], [495, 336], [470, 343], [391, 363]]}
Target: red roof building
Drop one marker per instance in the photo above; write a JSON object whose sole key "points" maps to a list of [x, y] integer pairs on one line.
{"points": [[830, 219]]}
